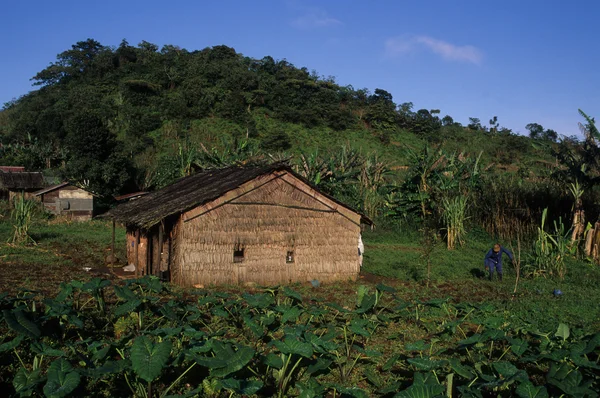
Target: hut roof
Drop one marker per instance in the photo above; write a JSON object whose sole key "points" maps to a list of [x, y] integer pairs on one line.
{"points": [[58, 186], [195, 190], [15, 181]]}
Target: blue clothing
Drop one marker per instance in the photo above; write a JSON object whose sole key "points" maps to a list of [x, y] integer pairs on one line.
{"points": [[493, 261]]}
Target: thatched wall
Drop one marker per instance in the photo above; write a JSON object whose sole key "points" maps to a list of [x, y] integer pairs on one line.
{"points": [[267, 218]]}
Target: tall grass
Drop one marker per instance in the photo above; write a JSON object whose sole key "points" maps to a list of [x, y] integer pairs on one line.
{"points": [[551, 249], [21, 219], [454, 216]]}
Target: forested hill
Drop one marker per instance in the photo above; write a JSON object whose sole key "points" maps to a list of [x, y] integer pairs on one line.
{"points": [[136, 117]]}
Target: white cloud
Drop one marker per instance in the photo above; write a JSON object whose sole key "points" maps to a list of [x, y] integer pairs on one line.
{"points": [[315, 18], [406, 44]]}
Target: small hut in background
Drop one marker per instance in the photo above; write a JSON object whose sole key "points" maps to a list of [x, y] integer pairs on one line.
{"points": [[14, 181], [68, 201], [265, 225]]}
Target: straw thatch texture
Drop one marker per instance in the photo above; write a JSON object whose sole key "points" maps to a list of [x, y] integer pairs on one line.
{"points": [[19, 181], [193, 191], [267, 220]]}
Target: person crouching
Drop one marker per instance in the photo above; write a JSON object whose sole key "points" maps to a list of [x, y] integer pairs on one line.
{"points": [[493, 260]]}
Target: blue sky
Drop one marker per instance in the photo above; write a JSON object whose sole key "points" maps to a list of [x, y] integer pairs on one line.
{"points": [[523, 61]]}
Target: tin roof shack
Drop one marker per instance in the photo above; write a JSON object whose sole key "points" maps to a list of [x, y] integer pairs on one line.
{"points": [[68, 201], [14, 182], [237, 225]]}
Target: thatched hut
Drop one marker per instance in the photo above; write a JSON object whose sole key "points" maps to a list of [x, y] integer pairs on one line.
{"points": [[265, 225], [16, 182], [67, 200]]}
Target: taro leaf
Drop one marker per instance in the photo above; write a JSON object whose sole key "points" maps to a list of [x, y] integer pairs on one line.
{"points": [[416, 346], [389, 388], [292, 293], [592, 344], [350, 391], [124, 293], [257, 330], [470, 392], [20, 323], [583, 362], [390, 362], [505, 369], [127, 307], [556, 355], [45, 349], [320, 344], [493, 322], [95, 284], [166, 332], [373, 377], [563, 331], [148, 359], [493, 334], [14, 343], [220, 312], [366, 352], [383, 288], [24, 381], [289, 314], [436, 302], [310, 389], [242, 387], [338, 307], [422, 391], [358, 326], [367, 303], [62, 379], [518, 346], [462, 370], [260, 301], [274, 361], [167, 311], [319, 365], [293, 346], [569, 380], [472, 340], [108, 368], [527, 390], [426, 363], [223, 364]]}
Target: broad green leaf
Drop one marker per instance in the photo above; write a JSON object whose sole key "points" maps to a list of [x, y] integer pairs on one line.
{"points": [[62, 379], [274, 361], [167, 311], [260, 301], [493, 334], [44, 349], [422, 391], [24, 381], [289, 314], [319, 365], [462, 370], [563, 331], [293, 346], [124, 293], [383, 288], [14, 343], [18, 321], [390, 362], [505, 369], [234, 363], [242, 387], [528, 390], [416, 346], [425, 363], [292, 294], [148, 359], [320, 344], [127, 307], [257, 330], [108, 368], [472, 340], [518, 346], [358, 326]]}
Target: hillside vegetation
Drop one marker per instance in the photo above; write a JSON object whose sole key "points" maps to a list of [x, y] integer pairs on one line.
{"points": [[116, 120]]}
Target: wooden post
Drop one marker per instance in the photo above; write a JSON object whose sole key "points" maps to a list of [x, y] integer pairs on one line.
{"points": [[112, 248], [137, 253], [160, 247]]}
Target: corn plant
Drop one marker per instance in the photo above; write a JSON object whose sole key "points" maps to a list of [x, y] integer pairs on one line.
{"points": [[551, 249], [21, 218], [454, 216]]}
